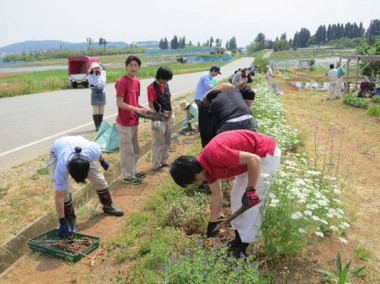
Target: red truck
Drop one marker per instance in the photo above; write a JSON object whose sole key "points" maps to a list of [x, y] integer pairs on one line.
{"points": [[78, 69]]}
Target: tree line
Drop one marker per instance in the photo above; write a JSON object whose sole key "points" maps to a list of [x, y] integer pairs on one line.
{"points": [[180, 42], [324, 34]]}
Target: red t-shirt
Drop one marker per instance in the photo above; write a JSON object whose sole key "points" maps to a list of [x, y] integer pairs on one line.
{"points": [[220, 158], [129, 89]]}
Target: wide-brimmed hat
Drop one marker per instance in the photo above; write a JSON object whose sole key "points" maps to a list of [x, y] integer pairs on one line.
{"points": [[94, 65], [184, 104]]}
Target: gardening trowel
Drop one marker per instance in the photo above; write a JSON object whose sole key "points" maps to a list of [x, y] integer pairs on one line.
{"points": [[242, 209]]}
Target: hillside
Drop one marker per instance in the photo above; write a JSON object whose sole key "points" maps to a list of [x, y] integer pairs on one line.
{"points": [[38, 45]]}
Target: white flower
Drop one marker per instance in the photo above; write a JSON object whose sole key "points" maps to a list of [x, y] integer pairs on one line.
{"points": [[345, 225], [296, 215], [324, 221], [330, 215], [315, 218], [300, 182], [343, 240], [308, 212], [322, 202], [319, 234], [337, 191], [312, 206], [312, 173], [301, 230], [334, 228], [274, 202]]}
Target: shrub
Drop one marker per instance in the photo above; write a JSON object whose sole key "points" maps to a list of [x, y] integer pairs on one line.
{"points": [[356, 102], [374, 110]]}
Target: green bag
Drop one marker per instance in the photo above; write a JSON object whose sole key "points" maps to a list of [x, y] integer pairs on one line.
{"points": [[107, 137]]}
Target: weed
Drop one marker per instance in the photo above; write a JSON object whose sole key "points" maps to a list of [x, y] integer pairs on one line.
{"points": [[362, 253], [343, 275], [40, 172], [374, 110], [3, 191]]}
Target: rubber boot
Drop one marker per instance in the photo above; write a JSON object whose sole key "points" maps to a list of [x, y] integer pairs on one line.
{"points": [[106, 200], [70, 215], [100, 119], [95, 118], [235, 243], [241, 251]]}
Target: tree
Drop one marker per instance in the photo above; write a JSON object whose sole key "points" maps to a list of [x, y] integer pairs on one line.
{"points": [[260, 40], [295, 41], [211, 41], [103, 41], [165, 44], [303, 37], [90, 42], [174, 43], [373, 29], [321, 35], [183, 42], [161, 44], [233, 44]]}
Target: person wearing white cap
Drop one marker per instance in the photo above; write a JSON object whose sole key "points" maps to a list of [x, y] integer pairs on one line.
{"points": [[97, 81]]}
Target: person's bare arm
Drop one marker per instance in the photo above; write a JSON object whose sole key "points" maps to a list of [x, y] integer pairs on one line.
{"points": [[216, 200], [252, 162], [121, 104]]}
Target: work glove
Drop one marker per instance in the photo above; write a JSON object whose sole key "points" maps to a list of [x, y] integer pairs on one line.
{"points": [[250, 197], [185, 123], [104, 164], [210, 227], [64, 228]]}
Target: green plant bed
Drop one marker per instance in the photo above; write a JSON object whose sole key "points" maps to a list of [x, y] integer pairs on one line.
{"points": [[356, 102]]}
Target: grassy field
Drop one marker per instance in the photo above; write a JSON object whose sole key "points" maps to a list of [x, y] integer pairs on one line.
{"points": [[23, 83]]}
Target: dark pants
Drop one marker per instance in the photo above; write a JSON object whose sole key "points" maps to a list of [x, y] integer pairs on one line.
{"points": [[206, 124]]}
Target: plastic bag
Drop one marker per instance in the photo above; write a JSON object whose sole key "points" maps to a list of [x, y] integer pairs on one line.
{"points": [[107, 137]]}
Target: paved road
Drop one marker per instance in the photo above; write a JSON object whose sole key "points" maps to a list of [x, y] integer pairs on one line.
{"points": [[31, 123]]}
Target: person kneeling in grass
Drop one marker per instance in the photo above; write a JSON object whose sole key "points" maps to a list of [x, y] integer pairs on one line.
{"points": [[250, 157]]}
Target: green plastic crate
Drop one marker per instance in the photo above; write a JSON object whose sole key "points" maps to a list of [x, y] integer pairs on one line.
{"points": [[37, 244]]}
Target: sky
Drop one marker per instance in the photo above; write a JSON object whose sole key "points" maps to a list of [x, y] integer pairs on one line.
{"points": [[197, 20]]}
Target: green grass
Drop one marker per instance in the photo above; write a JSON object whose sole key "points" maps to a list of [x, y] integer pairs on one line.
{"points": [[374, 110], [362, 253], [33, 82]]}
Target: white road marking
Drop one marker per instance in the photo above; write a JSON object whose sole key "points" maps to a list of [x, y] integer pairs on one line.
{"points": [[70, 130]]}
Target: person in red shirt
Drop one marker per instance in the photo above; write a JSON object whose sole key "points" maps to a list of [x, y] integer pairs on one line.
{"points": [[250, 157], [159, 99], [127, 100]]}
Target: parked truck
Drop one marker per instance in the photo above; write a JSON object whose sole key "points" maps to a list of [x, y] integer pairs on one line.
{"points": [[78, 69]]}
